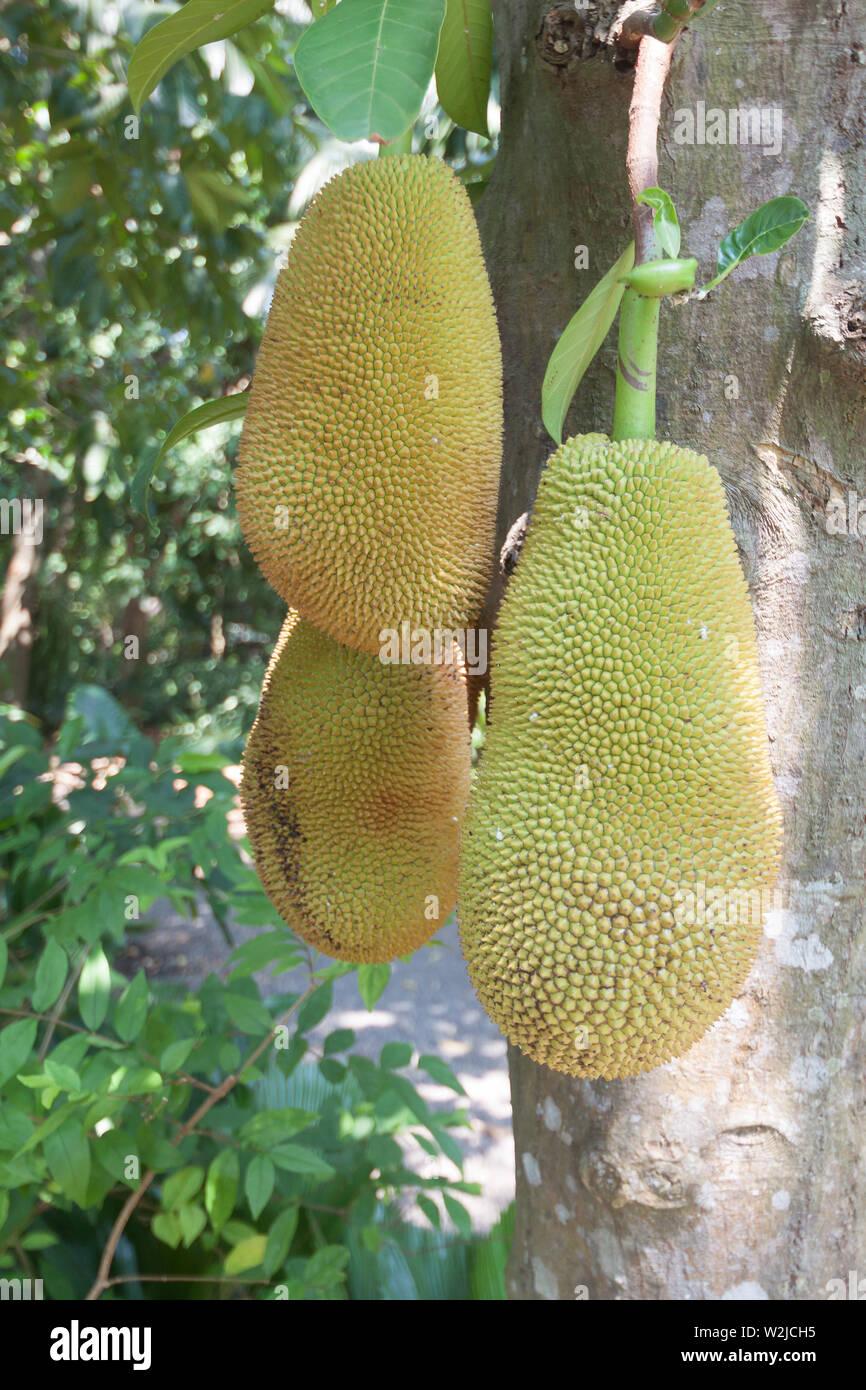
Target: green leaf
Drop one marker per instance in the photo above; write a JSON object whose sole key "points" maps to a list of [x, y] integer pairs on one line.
{"points": [[4, 958], [221, 1188], [249, 1015], [464, 62], [313, 1010], [167, 1228], [430, 1209], [218, 412], [459, 1215], [338, 1041], [665, 220], [195, 23], [441, 1072], [155, 1151], [246, 1255], [182, 1186], [449, 1146], [94, 984], [395, 1055], [259, 1184], [579, 343], [50, 975], [192, 1222], [763, 231], [67, 1154], [176, 1054], [333, 1071], [327, 1267], [16, 1043], [280, 1239], [366, 66], [271, 1127], [131, 1011], [372, 979], [294, 1158]]}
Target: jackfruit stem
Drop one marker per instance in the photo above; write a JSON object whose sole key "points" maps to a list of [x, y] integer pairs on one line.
{"points": [[402, 145], [634, 415]]}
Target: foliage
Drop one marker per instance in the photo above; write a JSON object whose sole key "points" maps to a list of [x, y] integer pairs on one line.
{"points": [[262, 1158]]}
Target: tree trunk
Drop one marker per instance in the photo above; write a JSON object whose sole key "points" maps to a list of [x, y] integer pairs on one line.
{"points": [[16, 617], [736, 1171]]}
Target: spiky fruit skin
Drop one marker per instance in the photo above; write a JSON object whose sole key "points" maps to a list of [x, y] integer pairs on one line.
{"points": [[355, 782], [370, 453], [625, 781]]}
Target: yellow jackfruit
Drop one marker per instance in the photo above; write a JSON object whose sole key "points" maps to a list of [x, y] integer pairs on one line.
{"points": [[624, 834], [355, 782], [369, 459]]}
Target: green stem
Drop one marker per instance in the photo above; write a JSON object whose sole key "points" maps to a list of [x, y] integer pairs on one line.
{"points": [[634, 415], [676, 14], [402, 145]]}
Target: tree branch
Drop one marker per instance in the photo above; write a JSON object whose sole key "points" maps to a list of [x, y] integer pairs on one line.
{"points": [[653, 65]]}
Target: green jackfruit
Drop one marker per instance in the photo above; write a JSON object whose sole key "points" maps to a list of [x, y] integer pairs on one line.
{"points": [[355, 782], [369, 459], [624, 833]]}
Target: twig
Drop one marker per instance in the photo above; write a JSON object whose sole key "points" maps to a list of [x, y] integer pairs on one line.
{"points": [[180, 1279], [221, 1091], [642, 161]]}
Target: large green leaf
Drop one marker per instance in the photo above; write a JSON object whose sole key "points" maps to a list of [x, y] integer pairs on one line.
{"points": [[16, 1041], [464, 62], [579, 343], [763, 231], [50, 975], [221, 1187], [94, 984], [366, 65], [195, 23], [67, 1154], [218, 412]]}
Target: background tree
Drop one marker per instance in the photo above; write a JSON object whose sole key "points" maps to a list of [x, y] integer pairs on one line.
{"points": [[736, 1170]]}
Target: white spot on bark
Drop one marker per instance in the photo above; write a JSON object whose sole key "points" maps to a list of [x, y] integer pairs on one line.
{"points": [[809, 1074], [532, 1170], [771, 333], [563, 1215], [544, 1280], [781, 1200], [803, 953], [552, 1114], [749, 1290], [738, 1014], [706, 1197]]}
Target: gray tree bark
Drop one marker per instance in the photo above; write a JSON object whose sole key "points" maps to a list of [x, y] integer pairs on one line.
{"points": [[737, 1171]]}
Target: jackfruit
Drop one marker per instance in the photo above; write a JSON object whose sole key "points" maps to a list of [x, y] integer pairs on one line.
{"points": [[355, 781], [624, 834], [370, 452]]}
